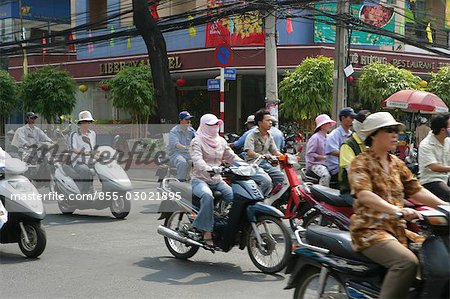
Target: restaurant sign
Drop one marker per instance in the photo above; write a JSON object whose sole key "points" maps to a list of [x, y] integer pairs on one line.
{"points": [[112, 68], [420, 65]]}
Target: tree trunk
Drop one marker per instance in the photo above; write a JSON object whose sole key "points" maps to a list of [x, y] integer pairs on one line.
{"points": [[157, 53]]}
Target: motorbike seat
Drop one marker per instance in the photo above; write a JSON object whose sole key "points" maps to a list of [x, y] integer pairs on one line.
{"points": [[330, 196], [309, 176], [337, 241], [185, 191]]}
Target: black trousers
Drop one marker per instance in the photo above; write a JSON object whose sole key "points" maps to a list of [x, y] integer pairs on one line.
{"points": [[440, 189]]}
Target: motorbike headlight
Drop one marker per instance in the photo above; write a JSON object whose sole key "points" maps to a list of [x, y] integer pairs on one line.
{"points": [[291, 159]]}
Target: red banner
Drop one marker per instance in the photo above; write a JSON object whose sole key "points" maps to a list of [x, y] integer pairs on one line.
{"points": [[245, 29]]}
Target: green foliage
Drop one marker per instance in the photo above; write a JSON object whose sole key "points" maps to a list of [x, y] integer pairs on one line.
{"points": [[308, 91], [378, 81], [132, 90], [49, 91], [8, 93], [440, 84]]}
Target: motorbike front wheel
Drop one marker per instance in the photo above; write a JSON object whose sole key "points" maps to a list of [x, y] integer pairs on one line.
{"points": [[271, 256], [120, 207], [37, 239], [308, 287], [179, 222]]}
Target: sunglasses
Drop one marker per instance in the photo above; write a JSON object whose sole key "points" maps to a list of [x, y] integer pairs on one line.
{"points": [[391, 129]]}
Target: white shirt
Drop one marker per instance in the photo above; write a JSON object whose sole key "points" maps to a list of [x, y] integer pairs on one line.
{"points": [[432, 151], [77, 143], [29, 135]]}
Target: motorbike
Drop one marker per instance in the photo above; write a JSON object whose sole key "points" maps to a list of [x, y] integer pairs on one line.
{"points": [[115, 183], [247, 223], [327, 267], [24, 207]]}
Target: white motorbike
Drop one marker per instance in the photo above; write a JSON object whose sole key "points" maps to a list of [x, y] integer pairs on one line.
{"points": [[24, 207], [113, 178]]}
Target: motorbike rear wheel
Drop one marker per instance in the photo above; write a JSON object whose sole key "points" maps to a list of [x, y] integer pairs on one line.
{"points": [[276, 250], [176, 221], [37, 239], [120, 207], [308, 285]]}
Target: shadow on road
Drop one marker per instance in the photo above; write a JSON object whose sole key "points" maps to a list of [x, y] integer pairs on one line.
{"points": [[60, 219], [184, 272], [13, 258]]}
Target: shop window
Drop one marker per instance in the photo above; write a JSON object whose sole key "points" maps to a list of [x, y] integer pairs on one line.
{"points": [[98, 13]]}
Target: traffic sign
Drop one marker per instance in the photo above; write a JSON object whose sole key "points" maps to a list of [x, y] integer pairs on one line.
{"points": [[213, 84], [223, 55], [230, 74]]}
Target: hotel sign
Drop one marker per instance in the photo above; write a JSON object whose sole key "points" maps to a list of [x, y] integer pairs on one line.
{"points": [[112, 68]]}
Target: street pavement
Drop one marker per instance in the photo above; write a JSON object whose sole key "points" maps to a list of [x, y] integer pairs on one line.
{"points": [[90, 254]]}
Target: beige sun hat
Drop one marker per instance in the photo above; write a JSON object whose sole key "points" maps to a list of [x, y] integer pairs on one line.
{"points": [[85, 116], [379, 120]]}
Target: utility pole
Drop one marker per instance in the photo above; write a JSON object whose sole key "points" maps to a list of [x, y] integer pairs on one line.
{"points": [[340, 57], [23, 37], [271, 64]]}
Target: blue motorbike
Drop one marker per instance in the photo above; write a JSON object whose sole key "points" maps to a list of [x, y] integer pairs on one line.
{"points": [[326, 266], [247, 223]]}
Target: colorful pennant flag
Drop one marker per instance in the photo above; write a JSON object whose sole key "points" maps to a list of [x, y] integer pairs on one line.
{"points": [[90, 44], [111, 41], [429, 34], [44, 42], [72, 47], [289, 27], [129, 41], [192, 30], [231, 26]]}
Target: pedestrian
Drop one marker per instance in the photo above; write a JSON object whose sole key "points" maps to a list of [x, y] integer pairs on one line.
{"points": [[422, 131]]}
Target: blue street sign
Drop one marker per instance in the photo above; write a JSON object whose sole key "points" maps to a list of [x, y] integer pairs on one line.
{"points": [[230, 74], [223, 55], [213, 84]]}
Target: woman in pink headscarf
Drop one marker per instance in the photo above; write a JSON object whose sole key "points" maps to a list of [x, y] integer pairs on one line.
{"points": [[208, 150]]}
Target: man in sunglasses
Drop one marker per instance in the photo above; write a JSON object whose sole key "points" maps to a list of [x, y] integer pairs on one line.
{"points": [[434, 157], [28, 137]]}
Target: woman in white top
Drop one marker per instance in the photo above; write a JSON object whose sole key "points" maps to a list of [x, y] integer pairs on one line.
{"points": [[81, 150]]}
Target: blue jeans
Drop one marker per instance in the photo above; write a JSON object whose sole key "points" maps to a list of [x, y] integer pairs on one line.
{"points": [[275, 174], [183, 166], [263, 180], [205, 218]]}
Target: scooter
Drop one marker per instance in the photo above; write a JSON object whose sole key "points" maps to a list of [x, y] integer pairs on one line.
{"points": [[248, 223], [116, 185], [327, 267], [24, 207]]}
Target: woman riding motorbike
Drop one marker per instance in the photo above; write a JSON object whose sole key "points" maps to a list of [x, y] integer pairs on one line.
{"points": [[208, 150], [380, 181]]}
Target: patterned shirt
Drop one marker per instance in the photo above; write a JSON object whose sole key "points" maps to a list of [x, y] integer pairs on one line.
{"points": [[369, 227]]}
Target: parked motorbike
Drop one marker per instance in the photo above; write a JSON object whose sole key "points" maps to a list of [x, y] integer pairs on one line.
{"points": [[113, 178], [292, 144], [327, 267], [248, 223], [24, 208]]}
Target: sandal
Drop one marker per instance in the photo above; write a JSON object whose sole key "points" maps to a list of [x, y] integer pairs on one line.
{"points": [[207, 238]]}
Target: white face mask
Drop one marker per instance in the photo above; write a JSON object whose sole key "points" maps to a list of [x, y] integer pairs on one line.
{"points": [[211, 130]]}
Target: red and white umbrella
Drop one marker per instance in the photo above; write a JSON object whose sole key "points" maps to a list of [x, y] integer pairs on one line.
{"points": [[416, 101]]}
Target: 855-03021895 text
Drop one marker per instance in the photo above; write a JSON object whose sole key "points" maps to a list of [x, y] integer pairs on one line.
{"points": [[100, 195]]}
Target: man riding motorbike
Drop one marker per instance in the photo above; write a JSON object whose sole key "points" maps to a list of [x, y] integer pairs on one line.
{"points": [[260, 142], [180, 138], [28, 137]]}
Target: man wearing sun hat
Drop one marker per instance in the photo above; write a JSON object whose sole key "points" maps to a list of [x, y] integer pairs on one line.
{"points": [[315, 149], [337, 137], [180, 138], [28, 136]]}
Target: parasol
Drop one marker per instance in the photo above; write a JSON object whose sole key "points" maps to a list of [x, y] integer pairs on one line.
{"points": [[416, 101]]}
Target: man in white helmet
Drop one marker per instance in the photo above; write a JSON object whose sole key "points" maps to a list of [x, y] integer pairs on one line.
{"points": [[81, 143]]}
